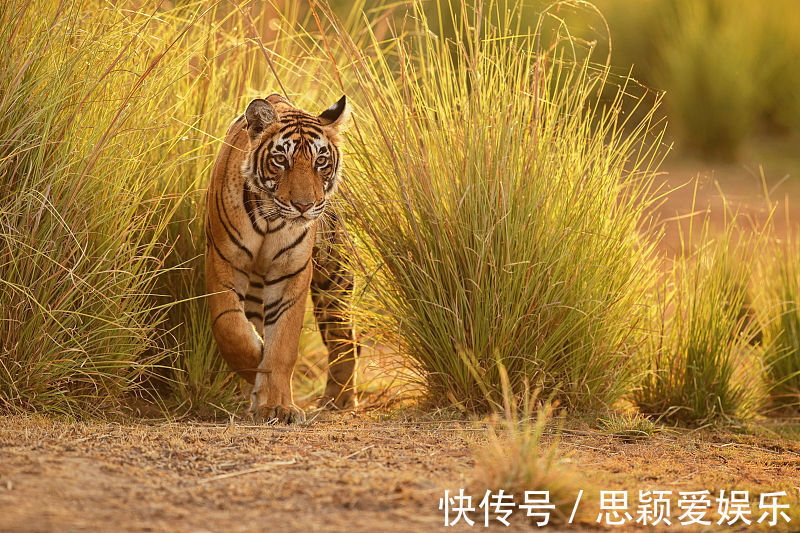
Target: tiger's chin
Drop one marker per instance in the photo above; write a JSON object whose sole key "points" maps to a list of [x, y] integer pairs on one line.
{"points": [[300, 221], [303, 221]]}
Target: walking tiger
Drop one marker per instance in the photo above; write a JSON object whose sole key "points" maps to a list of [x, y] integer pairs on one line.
{"points": [[271, 235]]}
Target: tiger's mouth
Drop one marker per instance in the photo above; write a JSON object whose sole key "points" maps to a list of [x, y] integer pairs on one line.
{"points": [[302, 214], [300, 221]]}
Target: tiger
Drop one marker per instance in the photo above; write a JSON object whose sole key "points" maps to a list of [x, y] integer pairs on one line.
{"points": [[271, 237]]}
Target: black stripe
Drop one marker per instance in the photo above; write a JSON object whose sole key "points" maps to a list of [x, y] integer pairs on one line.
{"points": [[295, 115], [222, 256], [224, 167], [270, 305], [287, 276], [252, 314], [248, 206], [221, 200], [313, 129], [238, 294], [257, 284], [277, 228], [214, 322], [297, 241], [299, 127], [334, 159], [261, 212], [230, 288], [254, 299], [265, 162], [256, 170], [259, 161], [271, 321], [274, 316], [232, 238]]}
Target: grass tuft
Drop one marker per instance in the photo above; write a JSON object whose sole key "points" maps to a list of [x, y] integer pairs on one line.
{"points": [[781, 314], [81, 209], [629, 426], [500, 208], [515, 459], [701, 363]]}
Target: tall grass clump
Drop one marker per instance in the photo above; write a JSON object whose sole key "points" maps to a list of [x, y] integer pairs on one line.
{"points": [[780, 310], [500, 210], [81, 211], [700, 359]]}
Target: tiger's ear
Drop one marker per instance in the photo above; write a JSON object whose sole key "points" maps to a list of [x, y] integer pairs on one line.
{"points": [[259, 115], [337, 115]]}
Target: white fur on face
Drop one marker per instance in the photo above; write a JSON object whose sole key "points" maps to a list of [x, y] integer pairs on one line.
{"points": [[284, 145]]}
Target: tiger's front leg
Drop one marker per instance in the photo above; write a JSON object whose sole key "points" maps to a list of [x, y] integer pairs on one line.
{"points": [[284, 307]]}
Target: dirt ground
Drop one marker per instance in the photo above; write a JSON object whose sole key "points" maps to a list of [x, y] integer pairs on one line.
{"points": [[341, 472]]}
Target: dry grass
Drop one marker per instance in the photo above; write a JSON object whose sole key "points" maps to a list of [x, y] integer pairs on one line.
{"points": [[516, 460], [629, 426]]}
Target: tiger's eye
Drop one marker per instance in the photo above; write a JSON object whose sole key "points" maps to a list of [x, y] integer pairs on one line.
{"points": [[321, 160]]}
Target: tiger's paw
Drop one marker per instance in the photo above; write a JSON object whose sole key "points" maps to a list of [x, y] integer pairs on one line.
{"points": [[279, 414]]}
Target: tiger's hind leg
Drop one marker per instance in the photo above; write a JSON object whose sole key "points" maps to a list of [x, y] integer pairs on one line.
{"points": [[331, 291]]}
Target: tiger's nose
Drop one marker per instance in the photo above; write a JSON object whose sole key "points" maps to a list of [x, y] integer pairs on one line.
{"points": [[302, 207]]}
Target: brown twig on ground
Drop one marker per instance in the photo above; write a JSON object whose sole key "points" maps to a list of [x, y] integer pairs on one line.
{"points": [[253, 470]]}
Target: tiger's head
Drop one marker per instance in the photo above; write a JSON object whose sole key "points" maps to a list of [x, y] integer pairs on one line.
{"points": [[293, 157]]}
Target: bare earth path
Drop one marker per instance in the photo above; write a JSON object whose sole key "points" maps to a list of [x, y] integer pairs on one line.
{"points": [[344, 473], [186, 477]]}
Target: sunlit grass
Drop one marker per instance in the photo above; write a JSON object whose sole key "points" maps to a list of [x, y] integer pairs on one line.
{"points": [[700, 363], [780, 310], [82, 213], [502, 211], [519, 456], [629, 426]]}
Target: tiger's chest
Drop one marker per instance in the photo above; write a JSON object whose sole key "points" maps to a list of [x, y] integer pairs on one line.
{"points": [[284, 250]]}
